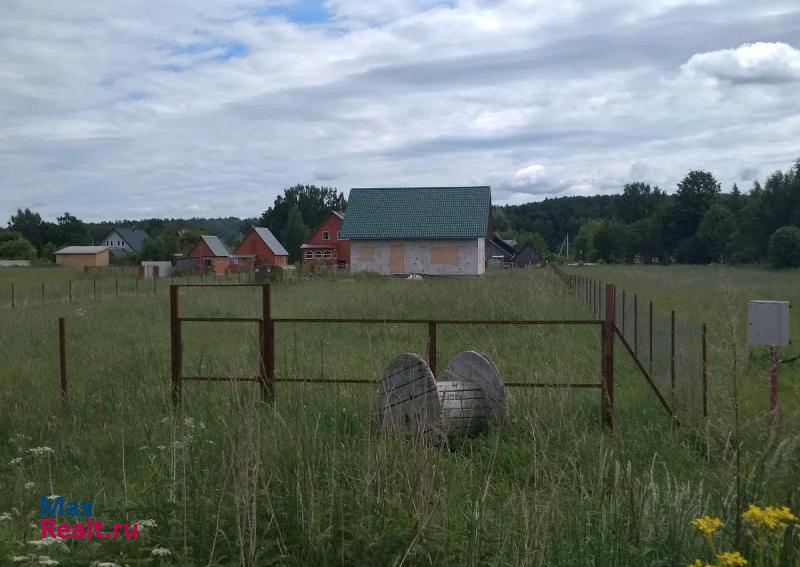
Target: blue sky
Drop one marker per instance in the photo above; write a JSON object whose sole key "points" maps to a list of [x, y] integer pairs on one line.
{"points": [[130, 110]]}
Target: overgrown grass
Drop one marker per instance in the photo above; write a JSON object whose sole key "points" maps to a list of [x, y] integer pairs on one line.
{"points": [[309, 480]]}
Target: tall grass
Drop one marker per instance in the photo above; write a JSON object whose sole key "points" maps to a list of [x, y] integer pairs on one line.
{"points": [[309, 479]]}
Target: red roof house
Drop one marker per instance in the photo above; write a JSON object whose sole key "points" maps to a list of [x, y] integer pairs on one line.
{"points": [[262, 247], [325, 245]]}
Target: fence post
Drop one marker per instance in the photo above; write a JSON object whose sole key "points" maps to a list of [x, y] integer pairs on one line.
{"points": [[267, 346], [432, 346], [607, 353], [155, 285], [70, 291], [42, 292], [672, 355], [177, 347], [705, 374], [623, 313], [636, 324], [94, 289], [116, 287], [62, 356], [650, 334], [12, 295]]}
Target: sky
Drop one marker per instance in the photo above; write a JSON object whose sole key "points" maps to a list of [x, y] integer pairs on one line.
{"points": [[136, 109]]}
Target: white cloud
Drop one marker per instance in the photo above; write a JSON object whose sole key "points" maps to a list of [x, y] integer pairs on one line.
{"points": [[120, 109], [750, 63]]}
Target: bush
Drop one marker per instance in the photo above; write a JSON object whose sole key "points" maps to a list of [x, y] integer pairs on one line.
{"points": [[784, 247], [17, 249]]}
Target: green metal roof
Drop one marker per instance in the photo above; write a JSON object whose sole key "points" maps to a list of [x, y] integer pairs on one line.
{"points": [[417, 212]]}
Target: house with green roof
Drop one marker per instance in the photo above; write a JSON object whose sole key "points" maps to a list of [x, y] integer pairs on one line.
{"points": [[418, 230]]}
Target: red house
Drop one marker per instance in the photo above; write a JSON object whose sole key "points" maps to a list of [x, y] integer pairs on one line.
{"points": [[211, 255], [260, 248], [325, 246]]}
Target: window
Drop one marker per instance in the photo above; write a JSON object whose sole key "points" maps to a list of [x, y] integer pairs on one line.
{"points": [[317, 253], [366, 254], [444, 255], [309, 254], [326, 235], [327, 254]]}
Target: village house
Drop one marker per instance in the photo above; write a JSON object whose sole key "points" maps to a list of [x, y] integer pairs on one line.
{"points": [[499, 252], [418, 230], [83, 257], [326, 246], [210, 255], [121, 241], [259, 248]]}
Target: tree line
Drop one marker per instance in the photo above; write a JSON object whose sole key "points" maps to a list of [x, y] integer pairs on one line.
{"points": [[292, 217], [698, 223]]}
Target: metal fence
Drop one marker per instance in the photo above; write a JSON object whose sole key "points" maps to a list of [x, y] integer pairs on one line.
{"points": [[672, 349]]}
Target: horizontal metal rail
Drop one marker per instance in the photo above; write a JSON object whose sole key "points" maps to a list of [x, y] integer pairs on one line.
{"points": [[221, 319], [218, 379], [216, 286], [377, 382], [443, 321]]}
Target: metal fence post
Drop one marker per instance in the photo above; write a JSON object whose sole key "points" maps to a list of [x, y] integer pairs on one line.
{"points": [[650, 347], [705, 374], [607, 353], [623, 313], [42, 292], [94, 289], [116, 287], [70, 291], [267, 377], [432, 346], [636, 324], [12, 295], [62, 356], [672, 355], [177, 347]]}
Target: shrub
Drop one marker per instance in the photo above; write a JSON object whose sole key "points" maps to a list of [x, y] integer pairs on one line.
{"points": [[784, 247], [17, 249]]}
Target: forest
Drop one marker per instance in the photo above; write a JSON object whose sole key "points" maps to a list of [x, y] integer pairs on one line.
{"points": [[697, 223]]}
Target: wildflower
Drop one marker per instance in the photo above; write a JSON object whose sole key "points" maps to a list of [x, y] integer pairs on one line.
{"points": [[160, 551], [21, 558], [699, 563], [769, 517], [731, 559], [29, 485], [53, 497], [708, 525], [161, 448], [38, 451], [147, 523], [5, 517], [104, 564], [45, 560]]}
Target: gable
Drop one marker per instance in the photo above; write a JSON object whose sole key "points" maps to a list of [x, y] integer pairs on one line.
{"points": [[417, 212]]}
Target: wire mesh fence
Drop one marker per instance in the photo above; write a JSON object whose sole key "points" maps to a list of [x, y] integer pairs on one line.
{"points": [[671, 348]]}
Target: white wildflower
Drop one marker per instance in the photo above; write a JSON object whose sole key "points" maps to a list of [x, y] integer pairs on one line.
{"points": [[147, 524], [53, 497], [29, 485], [45, 560], [5, 517], [104, 564], [161, 448], [38, 451], [15, 461], [21, 558], [45, 542], [189, 421], [160, 551]]}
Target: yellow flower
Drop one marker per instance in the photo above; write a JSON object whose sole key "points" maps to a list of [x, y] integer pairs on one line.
{"points": [[699, 563], [769, 517], [708, 525], [731, 559]]}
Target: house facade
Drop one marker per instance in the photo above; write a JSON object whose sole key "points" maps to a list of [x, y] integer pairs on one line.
{"points": [[210, 255], [83, 257], [259, 248], [121, 241], [499, 252], [326, 246], [418, 230]]}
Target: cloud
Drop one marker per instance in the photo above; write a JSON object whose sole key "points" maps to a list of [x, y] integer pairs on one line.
{"points": [[749, 63], [118, 109]]}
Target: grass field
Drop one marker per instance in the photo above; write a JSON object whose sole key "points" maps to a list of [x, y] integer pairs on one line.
{"points": [[309, 480]]}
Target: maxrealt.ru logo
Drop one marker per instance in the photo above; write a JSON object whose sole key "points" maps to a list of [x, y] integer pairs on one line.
{"points": [[52, 509]]}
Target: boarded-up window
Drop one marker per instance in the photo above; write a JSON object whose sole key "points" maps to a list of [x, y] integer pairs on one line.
{"points": [[366, 254], [444, 255]]}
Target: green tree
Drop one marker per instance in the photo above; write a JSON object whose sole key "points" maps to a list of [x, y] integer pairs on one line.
{"points": [[638, 201], [294, 234], [314, 204], [17, 249], [696, 193], [715, 231], [48, 252], [30, 225], [157, 248], [72, 231], [784, 247]]}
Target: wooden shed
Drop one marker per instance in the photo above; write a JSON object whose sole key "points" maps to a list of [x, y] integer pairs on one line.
{"points": [[527, 257], [83, 256], [211, 255], [418, 230]]}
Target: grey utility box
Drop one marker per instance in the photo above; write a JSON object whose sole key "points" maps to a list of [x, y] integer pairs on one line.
{"points": [[768, 323]]}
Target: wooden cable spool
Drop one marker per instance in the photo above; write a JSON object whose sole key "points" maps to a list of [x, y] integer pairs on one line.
{"points": [[466, 401]]}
